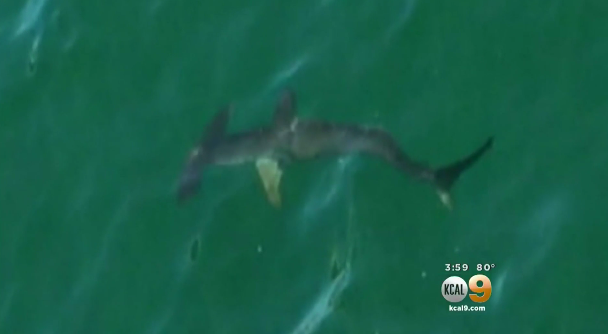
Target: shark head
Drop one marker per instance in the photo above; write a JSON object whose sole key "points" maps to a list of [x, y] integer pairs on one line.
{"points": [[190, 180], [215, 133]]}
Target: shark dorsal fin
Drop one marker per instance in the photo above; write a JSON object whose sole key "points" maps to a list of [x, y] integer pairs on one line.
{"points": [[217, 127], [285, 111]]}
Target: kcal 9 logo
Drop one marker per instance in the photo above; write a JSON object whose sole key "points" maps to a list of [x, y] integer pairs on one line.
{"points": [[454, 289]]}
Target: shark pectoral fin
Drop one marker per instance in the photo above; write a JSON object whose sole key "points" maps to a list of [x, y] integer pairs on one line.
{"points": [[270, 173], [446, 199]]}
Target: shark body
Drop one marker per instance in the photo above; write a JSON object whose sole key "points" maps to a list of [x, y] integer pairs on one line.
{"points": [[290, 139]]}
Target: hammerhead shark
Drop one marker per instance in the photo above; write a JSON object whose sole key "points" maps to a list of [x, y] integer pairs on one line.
{"points": [[290, 139]]}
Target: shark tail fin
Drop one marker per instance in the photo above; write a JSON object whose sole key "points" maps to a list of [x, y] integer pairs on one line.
{"points": [[446, 176]]}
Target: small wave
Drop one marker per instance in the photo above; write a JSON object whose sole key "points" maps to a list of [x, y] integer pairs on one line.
{"points": [[288, 71], [160, 324], [155, 6], [498, 285], [403, 17], [29, 16], [325, 302], [320, 197], [5, 304], [84, 286], [538, 236], [542, 229]]}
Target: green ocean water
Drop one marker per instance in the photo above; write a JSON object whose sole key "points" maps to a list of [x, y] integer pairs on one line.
{"points": [[94, 131]]}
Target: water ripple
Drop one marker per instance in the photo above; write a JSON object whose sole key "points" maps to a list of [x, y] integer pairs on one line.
{"points": [[289, 71], [324, 304], [29, 17], [538, 236], [319, 197], [5, 304], [85, 285], [403, 17]]}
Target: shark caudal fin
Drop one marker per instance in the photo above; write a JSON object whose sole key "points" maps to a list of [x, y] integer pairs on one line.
{"points": [[190, 178], [445, 177]]}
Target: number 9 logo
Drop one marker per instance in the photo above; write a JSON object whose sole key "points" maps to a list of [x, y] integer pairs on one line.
{"points": [[485, 289]]}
